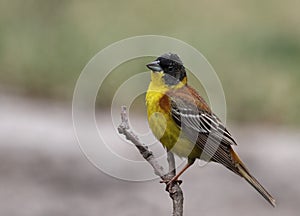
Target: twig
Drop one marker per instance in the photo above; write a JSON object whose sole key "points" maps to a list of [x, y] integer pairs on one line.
{"points": [[174, 190]]}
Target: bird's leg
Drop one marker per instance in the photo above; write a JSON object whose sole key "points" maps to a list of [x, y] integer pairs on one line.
{"points": [[175, 178]]}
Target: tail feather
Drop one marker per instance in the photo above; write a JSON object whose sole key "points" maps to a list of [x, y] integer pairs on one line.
{"points": [[251, 180]]}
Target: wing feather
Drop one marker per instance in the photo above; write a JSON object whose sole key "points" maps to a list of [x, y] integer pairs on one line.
{"points": [[203, 127]]}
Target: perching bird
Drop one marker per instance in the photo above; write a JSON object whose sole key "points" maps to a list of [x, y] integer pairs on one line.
{"points": [[185, 125]]}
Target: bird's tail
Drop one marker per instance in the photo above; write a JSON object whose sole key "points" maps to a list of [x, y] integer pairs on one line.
{"points": [[243, 171]]}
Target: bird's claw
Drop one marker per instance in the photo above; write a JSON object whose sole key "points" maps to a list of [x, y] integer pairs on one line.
{"points": [[169, 182]]}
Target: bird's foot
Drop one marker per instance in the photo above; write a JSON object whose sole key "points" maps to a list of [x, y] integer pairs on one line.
{"points": [[171, 181]]}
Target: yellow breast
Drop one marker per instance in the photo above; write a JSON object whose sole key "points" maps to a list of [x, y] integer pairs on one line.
{"points": [[161, 123]]}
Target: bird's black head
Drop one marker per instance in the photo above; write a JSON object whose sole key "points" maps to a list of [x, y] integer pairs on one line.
{"points": [[172, 67]]}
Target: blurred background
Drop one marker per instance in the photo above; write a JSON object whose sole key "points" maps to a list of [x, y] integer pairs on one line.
{"points": [[254, 47]]}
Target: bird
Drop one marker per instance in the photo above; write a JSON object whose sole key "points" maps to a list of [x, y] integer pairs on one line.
{"points": [[185, 125]]}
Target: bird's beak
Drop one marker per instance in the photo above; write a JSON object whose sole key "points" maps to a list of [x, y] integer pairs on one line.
{"points": [[154, 66]]}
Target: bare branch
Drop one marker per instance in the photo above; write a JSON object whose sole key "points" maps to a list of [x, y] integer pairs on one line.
{"points": [[174, 190]]}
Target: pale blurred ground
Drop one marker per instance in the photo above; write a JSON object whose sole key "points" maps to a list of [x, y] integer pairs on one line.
{"points": [[43, 171]]}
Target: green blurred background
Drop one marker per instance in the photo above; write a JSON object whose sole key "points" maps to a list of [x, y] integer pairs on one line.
{"points": [[254, 46]]}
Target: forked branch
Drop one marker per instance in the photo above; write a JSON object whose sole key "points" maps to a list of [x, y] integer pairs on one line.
{"points": [[174, 189]]}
